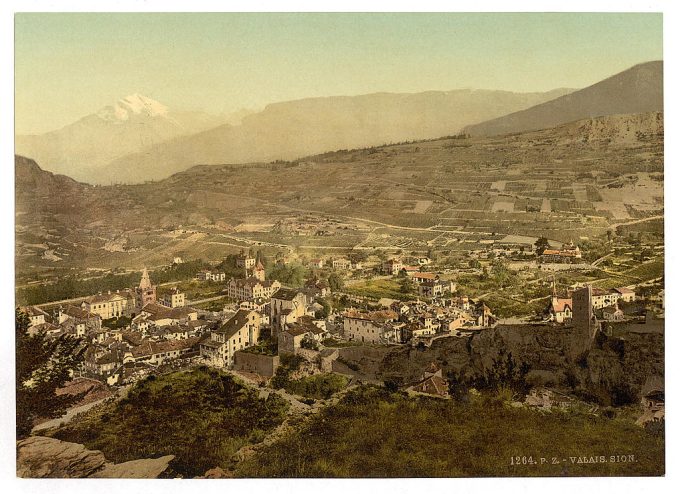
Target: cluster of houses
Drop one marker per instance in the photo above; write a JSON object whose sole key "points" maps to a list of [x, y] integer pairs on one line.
{"points": [[404, 322], [269, 320], [338, 264], [605, 305], [163, 329], [159, 331], [567, 254]]}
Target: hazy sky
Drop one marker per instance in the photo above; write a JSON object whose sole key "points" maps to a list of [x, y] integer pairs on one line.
{"points": [[70, 65]]}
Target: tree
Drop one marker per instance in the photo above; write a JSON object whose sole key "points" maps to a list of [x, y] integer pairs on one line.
{"points": [[406, 285], [292, 274], [335, 282], [43, 365], [358, 256], [326, 311], [541, 244], [474, 264]]}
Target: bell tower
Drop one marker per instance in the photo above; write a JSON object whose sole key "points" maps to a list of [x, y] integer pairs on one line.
{"points": [[146, 291]]}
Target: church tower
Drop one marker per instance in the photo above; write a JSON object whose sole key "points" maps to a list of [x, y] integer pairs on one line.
{"points": [[146, 292], [258, 271]]}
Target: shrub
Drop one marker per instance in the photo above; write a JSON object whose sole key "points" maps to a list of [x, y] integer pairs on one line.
{"points": [[181, 414]]}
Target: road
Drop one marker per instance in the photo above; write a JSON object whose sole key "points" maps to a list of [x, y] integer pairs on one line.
{"points": [[211, 299], [641, 220]]}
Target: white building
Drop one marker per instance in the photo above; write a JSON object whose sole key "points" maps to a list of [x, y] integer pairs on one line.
{"points": [[239, 332]]}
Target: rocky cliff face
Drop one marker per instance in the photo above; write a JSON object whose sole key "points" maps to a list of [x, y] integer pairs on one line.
{"points": [[44, 457], [605, 369]]}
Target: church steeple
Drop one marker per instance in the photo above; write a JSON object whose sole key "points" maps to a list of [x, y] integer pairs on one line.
{"points": [[145, 282], [258, 272]]}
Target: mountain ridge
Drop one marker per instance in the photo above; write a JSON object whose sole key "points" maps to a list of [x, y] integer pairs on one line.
{"points": [[638, 89], [91, 142], [290, 130]]}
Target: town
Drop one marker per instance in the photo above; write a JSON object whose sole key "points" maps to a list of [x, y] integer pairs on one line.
{"points": [[133, 333], [339, 245]]}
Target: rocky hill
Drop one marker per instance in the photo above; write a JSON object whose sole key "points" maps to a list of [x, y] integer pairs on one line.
{"points": [[408, 185], [636, 90], [606, 369]]}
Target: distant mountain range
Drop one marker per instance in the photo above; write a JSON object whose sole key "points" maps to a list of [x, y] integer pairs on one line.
{"points": [[83, 148], [636, 90], [140, 139]]}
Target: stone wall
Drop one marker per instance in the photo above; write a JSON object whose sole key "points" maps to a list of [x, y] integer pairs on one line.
{"points": [[264, 365]]}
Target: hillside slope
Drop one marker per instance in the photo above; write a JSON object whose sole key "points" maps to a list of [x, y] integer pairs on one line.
{"points": [[636, 90], [446, 193]]}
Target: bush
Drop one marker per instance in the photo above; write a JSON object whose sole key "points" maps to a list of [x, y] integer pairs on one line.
{"points": [[181, 414], [320, 386]]}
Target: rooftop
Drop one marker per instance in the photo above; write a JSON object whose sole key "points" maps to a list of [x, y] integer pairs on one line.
{"points": [[286, 294], [235, 323]]}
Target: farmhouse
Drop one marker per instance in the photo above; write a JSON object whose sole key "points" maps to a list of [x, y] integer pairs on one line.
{"points": [[292, 337], [560, 309], [173, 299], [432, 383], [435, 288], [158, 352], [317, 288], [207, 275], [612, 313], [568, 253], [79, 321], [315, 263], [245, 261], [342, 264], [419, 277], [109, 305], [392, 267], [35, 315]]}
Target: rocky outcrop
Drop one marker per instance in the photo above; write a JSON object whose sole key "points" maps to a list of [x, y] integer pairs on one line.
{"points": [[605, 369], [218, 473], [149, 468], [45, 457]]}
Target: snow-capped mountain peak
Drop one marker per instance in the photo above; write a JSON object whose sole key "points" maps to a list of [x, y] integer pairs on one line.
{"points": [[134, 104]]}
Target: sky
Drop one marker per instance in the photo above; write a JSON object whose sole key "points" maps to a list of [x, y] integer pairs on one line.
{"points": [[71, 65]]}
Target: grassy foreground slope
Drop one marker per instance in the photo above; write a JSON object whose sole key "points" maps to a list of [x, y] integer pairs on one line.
{"points": [[372, 433], [202, 417]]}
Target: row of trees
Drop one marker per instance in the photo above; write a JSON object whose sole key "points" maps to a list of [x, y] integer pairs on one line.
{"points": [[72, 286]]}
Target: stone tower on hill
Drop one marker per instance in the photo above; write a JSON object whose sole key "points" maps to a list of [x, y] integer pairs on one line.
{"points": [[583, 317]]}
